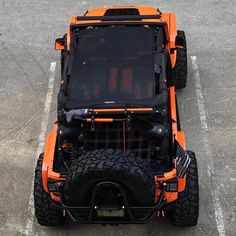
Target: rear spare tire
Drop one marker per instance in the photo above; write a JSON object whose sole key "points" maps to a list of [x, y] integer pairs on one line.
{"points": [[180, 69], [118, 166]]}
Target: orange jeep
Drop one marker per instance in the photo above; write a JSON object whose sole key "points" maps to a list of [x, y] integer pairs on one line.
{"points": [[116, 153]]}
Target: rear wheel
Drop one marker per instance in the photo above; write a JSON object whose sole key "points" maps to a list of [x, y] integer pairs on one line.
{"points": [[186, 210], [180, 70], [47, 211]]}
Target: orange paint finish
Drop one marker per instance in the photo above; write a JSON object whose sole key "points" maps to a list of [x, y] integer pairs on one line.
{"points": [[55, 197], [143, 10], [172, 103], [47, 169], [173, 114], [102, 120], [58, 46], [170, 196], [168, 18], [68, 39], [173, 34], [167, 176], [180, 137], [181, 184], [101, 12], [171, 31]]}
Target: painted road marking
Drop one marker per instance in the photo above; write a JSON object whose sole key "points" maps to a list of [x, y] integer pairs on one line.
{"points": [[202, 112], [41, 139]]}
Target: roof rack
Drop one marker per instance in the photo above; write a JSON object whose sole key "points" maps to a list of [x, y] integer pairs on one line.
{"points": [[117, 18]]}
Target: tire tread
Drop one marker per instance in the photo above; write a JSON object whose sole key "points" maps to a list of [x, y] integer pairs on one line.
{"points": [[180, 70], [187, 205], [47, 211]]}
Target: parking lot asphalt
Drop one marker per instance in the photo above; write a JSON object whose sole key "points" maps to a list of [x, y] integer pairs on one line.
{"points": [[27, 32]]}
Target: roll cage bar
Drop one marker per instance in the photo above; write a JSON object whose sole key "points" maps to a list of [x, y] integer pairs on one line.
{"points": [[105, 23]]}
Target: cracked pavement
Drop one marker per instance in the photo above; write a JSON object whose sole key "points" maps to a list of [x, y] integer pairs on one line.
{"points": [[27, 32]]}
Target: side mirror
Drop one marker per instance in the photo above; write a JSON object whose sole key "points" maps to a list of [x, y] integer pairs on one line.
{"points": [[59, 44], [179, 41]]}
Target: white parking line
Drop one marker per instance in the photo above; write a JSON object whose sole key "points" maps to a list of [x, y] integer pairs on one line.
{"points": [[41, 139], [202, 112]]}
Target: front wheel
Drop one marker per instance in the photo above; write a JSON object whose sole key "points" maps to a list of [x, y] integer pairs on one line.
{"points": [[186, 210], [180, 69]]}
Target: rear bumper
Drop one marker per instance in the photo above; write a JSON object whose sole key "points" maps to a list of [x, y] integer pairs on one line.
{"points": [[90, 215]]}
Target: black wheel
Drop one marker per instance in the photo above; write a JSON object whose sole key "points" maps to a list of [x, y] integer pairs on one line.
{"points": [[124, 168], [187, 205], [47, 211], [180, 70]]}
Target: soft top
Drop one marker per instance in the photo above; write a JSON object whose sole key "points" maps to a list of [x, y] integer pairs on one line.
{"points": [[112, 65]]}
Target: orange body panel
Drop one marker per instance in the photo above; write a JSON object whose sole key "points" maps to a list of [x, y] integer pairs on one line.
{"points": [[58, 46], [178, 135], [47, 169], [55, 197], [173, 113], [170, 30], [102, 120], [168, 18], [143, 10], [48, 172]]}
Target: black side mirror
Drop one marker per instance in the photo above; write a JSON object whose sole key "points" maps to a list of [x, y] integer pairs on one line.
{"points": [[59, 44]]}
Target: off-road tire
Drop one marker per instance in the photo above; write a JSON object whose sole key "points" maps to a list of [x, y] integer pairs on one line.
{"points": [[121, 167], [180, 69], [186, 210], [47, 211]]}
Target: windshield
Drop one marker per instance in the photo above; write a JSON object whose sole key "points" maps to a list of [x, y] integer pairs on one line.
{"points": [[112, 65]]}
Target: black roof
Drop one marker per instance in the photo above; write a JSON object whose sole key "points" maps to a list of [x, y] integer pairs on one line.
{"points": [[112, 65]]}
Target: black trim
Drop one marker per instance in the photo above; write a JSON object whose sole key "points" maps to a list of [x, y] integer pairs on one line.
{"points": [[121, 11], [129, 219], [172, 185], [177, 115], [118, 18], [102, 23], [52, 185]]}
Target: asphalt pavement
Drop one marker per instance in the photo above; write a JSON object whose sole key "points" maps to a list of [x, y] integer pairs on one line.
{"points": [[207, 109]]}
